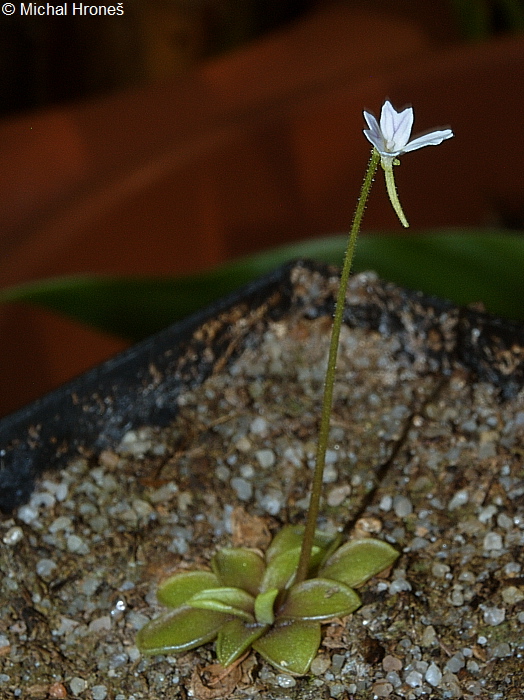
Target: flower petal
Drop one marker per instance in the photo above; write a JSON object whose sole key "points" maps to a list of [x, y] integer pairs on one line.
{"points": [[373, 134], [290, 646], [395, 127], [358, 560], [235, 638], [434, 138], [178, 589], [319, 599], [181, 629]]}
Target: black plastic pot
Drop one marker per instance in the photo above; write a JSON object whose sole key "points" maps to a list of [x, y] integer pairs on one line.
{"points": [[140, 385]]}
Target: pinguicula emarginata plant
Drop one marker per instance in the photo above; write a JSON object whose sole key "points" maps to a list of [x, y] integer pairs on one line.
{"points": [[275, 602]]}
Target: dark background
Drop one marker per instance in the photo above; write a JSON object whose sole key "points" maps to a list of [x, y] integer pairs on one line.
{"points": [[49, 60]]}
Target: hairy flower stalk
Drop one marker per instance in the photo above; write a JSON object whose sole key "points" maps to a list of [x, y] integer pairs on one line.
{"points": [[390, 139], [327, 401]]}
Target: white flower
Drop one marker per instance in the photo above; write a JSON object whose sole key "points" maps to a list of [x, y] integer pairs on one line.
{"points": [[391, 137]]}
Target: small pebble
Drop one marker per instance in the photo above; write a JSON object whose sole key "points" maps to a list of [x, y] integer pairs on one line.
{"points": [[77, 685], [337, 689], [61, 523], [440, 570], [142, 508], [100, 624], [243, 488], [504, 521], [247, 471], [271, 503], [429, 637], [42, 498], [394, 678], [45, 567], [266, 458], [118, 660], [76, 545], [467, 576], [494, 616], [512, 595], [402, 506], [164, 493], [451, 686], [433, 675], [99, 692], [337, 662], [13, 535], [473, 666], [136, 443], [399, 585], [57, 691], [459, 499], [223, 473], [285, 681], [258, 426], [501, 650], [27, 514], [487, 513], [414, 679], [386, 503], [457, 596], [456, 663], [330, 474], [382, 689], [320, 665], [243, 444], [337, 495], [391, 663], [492, 541]]}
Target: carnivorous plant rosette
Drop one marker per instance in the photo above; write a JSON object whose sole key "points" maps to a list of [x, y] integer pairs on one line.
{"points": [[251, 600]]}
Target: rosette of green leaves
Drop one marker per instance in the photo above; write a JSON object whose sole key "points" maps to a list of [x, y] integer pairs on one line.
{"points": [[251, 600]]}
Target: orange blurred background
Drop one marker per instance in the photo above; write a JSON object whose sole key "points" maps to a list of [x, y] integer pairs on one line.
{"points": [[210, 159]]}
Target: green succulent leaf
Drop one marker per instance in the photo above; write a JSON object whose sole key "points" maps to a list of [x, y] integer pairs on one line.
{"points": [[235, 638], [239, 567], [290, 537], [280, 572], [319, 599], [232, 601], [264, 606], [466, 266], [290, 646], [181, 629], [179, 588], [358, 560]]}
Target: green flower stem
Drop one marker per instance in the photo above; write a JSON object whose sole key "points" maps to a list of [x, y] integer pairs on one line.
{"points": [[316, 490], [392, 192]]}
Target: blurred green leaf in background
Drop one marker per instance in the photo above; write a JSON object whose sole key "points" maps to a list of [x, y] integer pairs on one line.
{"points": [[463, 266]]}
